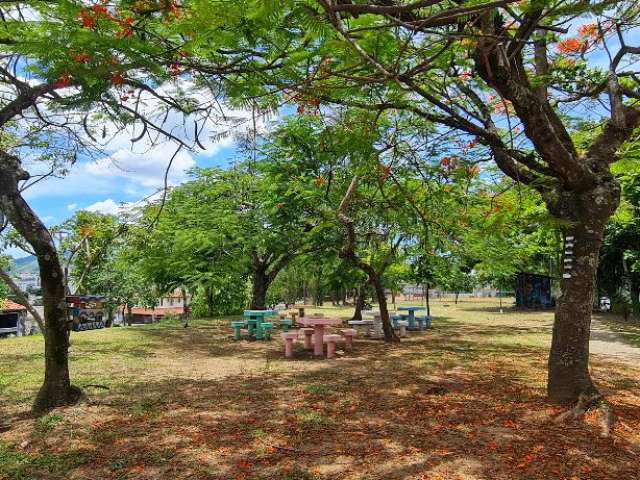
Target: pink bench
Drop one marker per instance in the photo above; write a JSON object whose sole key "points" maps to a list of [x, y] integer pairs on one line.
{"points": [[331, 340], [348, 334], [308, 333], [289, 338]]}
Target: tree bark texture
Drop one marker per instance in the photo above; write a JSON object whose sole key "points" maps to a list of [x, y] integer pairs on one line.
{"points": [[260, 285], [56, 389], [360, 297], [263, 272], [586, 214]]}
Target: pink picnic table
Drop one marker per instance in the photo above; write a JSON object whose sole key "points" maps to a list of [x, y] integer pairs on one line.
{"points": [[318, 324]]}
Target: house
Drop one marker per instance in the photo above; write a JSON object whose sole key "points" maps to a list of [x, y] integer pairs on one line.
{"points": [[141, 315], [171, 304], [173, 299], [13, 318]]}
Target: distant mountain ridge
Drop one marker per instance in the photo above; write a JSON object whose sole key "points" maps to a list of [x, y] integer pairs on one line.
{"points": [[24, 265]]}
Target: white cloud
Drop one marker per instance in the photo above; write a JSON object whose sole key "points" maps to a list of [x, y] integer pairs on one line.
{"points": [[108, 206], [71, 207], [130, 170]]}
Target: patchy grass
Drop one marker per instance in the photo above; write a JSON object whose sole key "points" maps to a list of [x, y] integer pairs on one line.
{"points": [[629, 330], [462, 401]]}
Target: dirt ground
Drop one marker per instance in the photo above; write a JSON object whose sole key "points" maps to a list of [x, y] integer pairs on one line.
{"points": [[465, 400]]}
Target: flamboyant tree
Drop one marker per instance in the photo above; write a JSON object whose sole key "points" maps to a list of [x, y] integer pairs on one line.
{"points": [[504, 75], [74, 75]]}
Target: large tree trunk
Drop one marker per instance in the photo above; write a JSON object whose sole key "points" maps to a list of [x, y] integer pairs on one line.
{"points": [[185, 306], [56, 389], [389, 333], [360, 297], [260, 281], [588, 213], [263, 274], [426, 299]]}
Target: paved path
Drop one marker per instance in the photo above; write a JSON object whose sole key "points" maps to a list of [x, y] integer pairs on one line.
{"points": [[606, 343]]}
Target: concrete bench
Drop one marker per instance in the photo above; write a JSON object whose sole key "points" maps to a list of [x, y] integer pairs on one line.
{"points": [[289, 338], [424, 321], [348, 334], [368, 324], [237, 327], [267, 328], [402, 326], [308, 333], [331, 341], [358, 323], [285, 324]]}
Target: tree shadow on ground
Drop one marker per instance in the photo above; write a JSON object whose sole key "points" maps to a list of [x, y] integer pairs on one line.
{"points": [[448, 403], [372, 418], [507, 309]]}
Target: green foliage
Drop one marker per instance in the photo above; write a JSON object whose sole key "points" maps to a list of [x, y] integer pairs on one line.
{"points": [[4, 288]]}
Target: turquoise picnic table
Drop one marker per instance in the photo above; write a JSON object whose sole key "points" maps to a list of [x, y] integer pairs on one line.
{"points": [[255, 319], [411, 315]]}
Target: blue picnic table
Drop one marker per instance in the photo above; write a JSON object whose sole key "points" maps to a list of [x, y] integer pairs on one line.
{"points": [[255, 318], [411, 315]]}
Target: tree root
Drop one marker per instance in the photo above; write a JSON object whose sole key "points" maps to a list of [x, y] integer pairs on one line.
{"points": [[50, 397], [586, 403]]}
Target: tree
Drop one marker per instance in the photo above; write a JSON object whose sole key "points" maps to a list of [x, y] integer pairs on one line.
{"points": [[67, 71], [488, 71], [506, 50]]}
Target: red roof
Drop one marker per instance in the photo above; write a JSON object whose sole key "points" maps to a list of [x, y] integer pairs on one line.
{"points": [[9, 306], [158, 311]]}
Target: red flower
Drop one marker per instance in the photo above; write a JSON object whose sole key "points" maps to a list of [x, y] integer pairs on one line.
{"points": [[81, 58], [445, 162], [466, 75], [502, 106], [300, 109], [63, 81], [588, 30], [86, 19], [117, 78], [101, 10], [572, 46]]}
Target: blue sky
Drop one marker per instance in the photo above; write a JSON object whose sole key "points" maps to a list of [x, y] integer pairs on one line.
{"points": [[123, 177]]}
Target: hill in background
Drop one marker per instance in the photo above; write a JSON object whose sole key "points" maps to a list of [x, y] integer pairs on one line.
{"points": [[24, 265]]}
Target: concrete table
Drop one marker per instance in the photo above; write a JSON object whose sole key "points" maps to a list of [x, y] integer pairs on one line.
{"points": [[318, 324], [301, 308], [411, 315], [377, 331], [258, 316]]}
